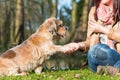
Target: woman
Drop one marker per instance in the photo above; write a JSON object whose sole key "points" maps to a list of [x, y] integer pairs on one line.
{"points": [[103, 37]]}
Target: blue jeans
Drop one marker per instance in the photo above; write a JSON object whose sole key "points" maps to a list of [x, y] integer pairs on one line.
{"points": [[101, 54]]}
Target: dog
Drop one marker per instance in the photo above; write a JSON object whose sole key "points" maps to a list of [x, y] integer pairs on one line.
{"points": [[31, 54]]}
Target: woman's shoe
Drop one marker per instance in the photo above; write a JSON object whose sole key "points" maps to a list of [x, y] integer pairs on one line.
{"points": [[107, 69]]}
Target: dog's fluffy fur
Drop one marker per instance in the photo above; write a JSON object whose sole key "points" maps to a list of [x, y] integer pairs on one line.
{"points": [[31, 54]]}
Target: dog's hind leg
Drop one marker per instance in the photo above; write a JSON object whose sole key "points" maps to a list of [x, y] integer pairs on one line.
{"points": [[38, 70], [15, 71], [21, 74]]}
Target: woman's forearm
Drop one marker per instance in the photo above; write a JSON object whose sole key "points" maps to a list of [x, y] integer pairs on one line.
{"points": [[114, 35], [84, 46]]}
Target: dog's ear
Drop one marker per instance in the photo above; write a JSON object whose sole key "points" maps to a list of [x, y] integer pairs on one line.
{"points": [[50, 25], [53, 26], [56, 25], [59, 23]]}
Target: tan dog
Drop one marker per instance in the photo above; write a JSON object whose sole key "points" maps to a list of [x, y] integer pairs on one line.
{"points": [[31, 54]]}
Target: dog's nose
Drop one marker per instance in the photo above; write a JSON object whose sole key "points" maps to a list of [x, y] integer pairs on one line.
{"points": [[67, 28]]}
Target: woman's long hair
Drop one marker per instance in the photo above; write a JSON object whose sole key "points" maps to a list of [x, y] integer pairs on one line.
{"points": [[96, 3], [116, 10]]}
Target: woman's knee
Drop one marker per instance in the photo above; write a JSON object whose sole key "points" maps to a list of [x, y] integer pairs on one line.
{"points": [[96, 55], [99, 52]]}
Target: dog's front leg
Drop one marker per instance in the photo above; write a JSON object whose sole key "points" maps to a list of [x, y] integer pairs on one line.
{"points": [[59, 48]]}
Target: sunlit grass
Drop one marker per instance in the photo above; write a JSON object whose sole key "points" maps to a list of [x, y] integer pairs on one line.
{"points": [[83, 74]]}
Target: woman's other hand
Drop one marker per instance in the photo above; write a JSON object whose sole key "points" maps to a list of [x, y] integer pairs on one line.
{"points": [[95, 27]]}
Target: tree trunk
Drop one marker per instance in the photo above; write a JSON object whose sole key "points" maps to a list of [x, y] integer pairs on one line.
{"points": [[0, 35], [19, 23], [81, 31], [54, 9], [91, 3], [12, 26], [73, 21], [73, 15], [6, 27]]}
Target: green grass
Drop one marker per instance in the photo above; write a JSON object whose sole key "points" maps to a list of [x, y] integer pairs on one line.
{"points": [[83, 74]]}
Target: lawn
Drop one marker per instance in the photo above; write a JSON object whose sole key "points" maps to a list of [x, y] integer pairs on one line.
{"points": [[83, 74]]}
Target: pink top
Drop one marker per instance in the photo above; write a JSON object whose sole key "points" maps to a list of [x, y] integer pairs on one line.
{"points": [[105, 14]]}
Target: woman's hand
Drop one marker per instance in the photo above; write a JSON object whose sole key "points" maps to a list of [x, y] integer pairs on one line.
{"points": [[71, 47], [95, 27]]}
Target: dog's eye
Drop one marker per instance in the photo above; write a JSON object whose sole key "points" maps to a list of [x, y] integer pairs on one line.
{"points": [[60, 25]]}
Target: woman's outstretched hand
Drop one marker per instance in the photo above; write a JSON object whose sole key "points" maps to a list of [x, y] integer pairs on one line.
{"points": [[72, 47]]}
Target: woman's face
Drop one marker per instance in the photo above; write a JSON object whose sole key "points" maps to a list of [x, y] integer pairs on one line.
{"points": [[106, 1]]}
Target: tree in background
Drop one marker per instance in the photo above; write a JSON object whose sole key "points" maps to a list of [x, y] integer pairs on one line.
{"points": [[54, 8], [19, 22], [81, 30], [6, 33], [73, 17], [5, 30]]}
